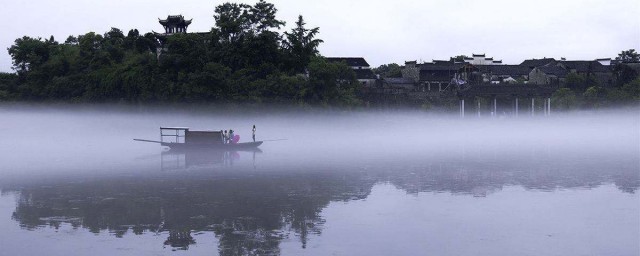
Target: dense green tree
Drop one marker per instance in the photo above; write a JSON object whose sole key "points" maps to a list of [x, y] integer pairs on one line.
{"points": [[593, 95], [564, 98], [331, 83], [243, 59], [71, 40], [632, 89], [458, 58], [232, 21], [579, 82], [7, 85], [28, 53], [624, 74], [263, 17], [388, 70], [629, 56], [301, 44]]}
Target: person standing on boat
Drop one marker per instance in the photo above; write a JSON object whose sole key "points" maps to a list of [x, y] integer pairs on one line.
{"points": [[225, 138], [230, 136], [254, 133]]}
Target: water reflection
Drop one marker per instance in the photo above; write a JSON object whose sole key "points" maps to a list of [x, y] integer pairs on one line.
{"points": [[257, 202], [203, 158], [248, 213], [252, 210]]}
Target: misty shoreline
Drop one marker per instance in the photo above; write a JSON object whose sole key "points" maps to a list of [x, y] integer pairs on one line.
{"points": [[282, 109]]}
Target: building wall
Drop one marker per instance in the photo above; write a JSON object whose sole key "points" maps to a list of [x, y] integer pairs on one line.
{"points": [[411, 71], [367, 82], [538, 77]]}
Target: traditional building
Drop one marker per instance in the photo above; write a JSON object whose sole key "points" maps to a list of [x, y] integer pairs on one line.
{"points": [[604, 61], [534, 63], [360, 66], [175, 24], [593, 68], [481, 59], [397, 85], [550, 74], [436, 76], [497, 74]]}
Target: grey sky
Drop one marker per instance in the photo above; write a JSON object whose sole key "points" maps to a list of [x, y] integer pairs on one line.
{"points": [[381, 31]]}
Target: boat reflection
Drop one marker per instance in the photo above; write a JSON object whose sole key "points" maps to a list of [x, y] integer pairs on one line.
{"points": [[252, 212], [180, 159], [247, 212]]}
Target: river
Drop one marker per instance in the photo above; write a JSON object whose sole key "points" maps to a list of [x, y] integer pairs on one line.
{"points": [[73, 181]]}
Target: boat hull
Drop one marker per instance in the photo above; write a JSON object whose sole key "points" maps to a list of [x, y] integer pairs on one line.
{"points": [[230, 146]]}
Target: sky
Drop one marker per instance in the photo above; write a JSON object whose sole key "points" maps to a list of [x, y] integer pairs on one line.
{"points": [[380, 31]]}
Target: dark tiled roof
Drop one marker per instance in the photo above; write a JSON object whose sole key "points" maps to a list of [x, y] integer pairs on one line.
{"points": [[442, 72], [364, 74], [477, 55], [441, 66], [551, 69], [584, 66], [511, 70], [352, 62], [537, 63], [175, 19], [437, 75]]}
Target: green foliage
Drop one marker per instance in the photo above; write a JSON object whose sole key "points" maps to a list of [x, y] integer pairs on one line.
{"points": [[458, 58], [243, 59], [579, 82], [388, 70], [632, 89], [564, 99], [593, 95], [596, 96], [624, 74], [629, 56], [331, 83], [301, 45], [29, 53], [7, 84]]}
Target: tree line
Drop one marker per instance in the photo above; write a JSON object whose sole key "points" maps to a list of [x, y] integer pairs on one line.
{"points": [[585, 91], [242, 59]]}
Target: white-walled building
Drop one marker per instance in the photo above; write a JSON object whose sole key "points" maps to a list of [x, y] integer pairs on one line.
{"points": [[481, 59]]}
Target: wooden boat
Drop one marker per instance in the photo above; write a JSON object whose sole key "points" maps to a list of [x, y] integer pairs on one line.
{"points": [[181, 138]]}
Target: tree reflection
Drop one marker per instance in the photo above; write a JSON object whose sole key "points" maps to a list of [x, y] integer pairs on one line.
{"points": [[252, 212]]}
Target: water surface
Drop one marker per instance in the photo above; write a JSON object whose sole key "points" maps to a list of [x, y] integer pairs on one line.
{"points": [[363, 183]]}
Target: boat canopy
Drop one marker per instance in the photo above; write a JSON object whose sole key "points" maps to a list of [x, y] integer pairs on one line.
{"points": [[174, 128], [184, 135]]}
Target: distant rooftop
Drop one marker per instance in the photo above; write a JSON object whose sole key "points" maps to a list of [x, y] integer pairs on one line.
{"points": [[350, 61], [532, 63]]}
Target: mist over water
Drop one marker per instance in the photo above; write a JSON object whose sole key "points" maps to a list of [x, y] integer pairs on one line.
{"points": [[493, 184]]}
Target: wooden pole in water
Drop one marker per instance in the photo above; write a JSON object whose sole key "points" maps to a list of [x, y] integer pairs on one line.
{"points": [[495, 106], [533, 107], [516, 106]]}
